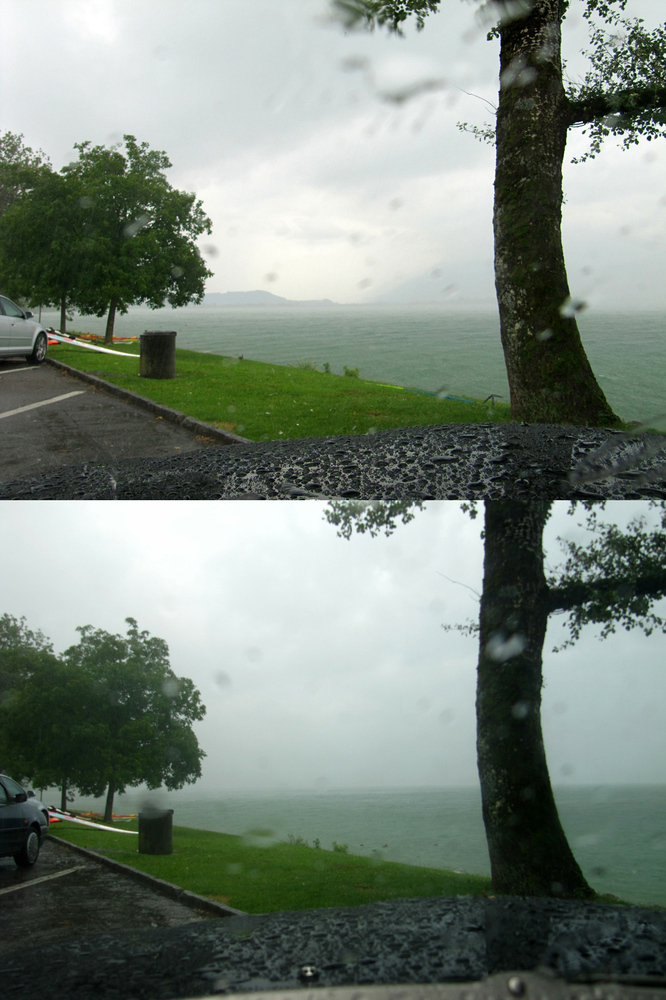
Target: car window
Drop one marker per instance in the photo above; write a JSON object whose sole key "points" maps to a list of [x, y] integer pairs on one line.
{"points": [[3, 796], [10, 309], [12, 786]]}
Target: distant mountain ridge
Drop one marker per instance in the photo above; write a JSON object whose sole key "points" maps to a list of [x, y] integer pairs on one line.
{"points": [[258, 298]]}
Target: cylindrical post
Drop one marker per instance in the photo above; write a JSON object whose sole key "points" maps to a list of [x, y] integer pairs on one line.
{"points": [[158, 354], [155, 831]]}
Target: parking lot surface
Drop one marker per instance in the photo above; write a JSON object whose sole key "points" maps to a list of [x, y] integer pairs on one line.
{"points": [[66, 895], [49, 419]]}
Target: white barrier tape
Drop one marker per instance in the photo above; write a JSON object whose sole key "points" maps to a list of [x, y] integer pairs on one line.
{"points": [[88, 347], [85, 822]]}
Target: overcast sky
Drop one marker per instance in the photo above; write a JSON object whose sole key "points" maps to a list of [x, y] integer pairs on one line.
{"points": [[322, 662], [319, 185]]}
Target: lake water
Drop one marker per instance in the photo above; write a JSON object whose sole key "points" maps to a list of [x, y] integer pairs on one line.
{"points": [[426, 347], [618, 834]]}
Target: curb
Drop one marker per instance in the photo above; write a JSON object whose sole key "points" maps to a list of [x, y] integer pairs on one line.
{"points": [[174, 892], [174, 416]]}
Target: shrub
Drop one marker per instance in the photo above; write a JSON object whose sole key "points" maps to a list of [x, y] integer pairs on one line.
{"points": [[342, 848], [352, 372]]}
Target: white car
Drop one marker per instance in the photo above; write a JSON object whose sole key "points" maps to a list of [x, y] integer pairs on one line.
{"points": [[20, 334]]}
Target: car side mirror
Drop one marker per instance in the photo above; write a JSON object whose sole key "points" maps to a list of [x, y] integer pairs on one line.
{"points": [[29, 314], [31, 794], [21, 797]]}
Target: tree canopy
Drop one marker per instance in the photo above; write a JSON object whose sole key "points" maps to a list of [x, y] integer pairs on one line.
{"points": [[106, 715], [623, 93], [20, 168], [107, 232], [45, 245]]}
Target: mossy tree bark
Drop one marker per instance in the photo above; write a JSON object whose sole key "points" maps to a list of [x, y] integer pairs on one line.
{"points": [[529, 852], [549, 374]]}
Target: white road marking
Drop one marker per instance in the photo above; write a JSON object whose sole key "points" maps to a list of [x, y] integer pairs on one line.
{"points": [[44, 402], [10, 370], [44, 878]]}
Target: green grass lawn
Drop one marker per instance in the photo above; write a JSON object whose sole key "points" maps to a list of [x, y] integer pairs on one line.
{"points": [[265, 402], [249, 875]]}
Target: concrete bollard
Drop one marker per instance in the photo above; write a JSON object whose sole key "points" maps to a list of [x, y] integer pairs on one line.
{"points": [[158, 354], [155, 831]]}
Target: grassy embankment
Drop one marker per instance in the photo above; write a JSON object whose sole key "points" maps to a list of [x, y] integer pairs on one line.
{"points": [[266, 402], [257, 876]]}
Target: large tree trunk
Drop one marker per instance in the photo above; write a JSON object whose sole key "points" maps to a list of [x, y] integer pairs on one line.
{"points": [[108, 809], [110, 320], [529, 853], [63, 795], [550, 378]]}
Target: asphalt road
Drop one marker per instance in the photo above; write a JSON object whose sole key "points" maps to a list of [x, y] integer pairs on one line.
{"points": [[66, 895], [49, 419]]}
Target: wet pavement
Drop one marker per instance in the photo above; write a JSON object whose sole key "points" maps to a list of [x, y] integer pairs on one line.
{"points": [[50, 419], [67, 895]]}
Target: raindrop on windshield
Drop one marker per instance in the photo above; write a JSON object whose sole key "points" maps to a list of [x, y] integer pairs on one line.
{"points": [[132, 228], [517, 73], [352, 63], [624, 452], [260, 838], [501, 647], [571, 306], [171, 687]]}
